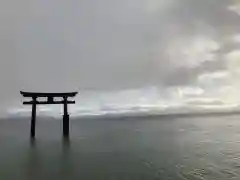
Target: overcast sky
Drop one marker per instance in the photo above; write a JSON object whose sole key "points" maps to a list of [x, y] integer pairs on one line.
{"points": [[122, 54]]}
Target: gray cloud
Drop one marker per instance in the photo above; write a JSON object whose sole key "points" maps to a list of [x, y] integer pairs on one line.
{"points": [[112, 45]]}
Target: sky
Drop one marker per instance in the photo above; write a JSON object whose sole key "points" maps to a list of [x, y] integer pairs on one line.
{"points": [[122, 56]]}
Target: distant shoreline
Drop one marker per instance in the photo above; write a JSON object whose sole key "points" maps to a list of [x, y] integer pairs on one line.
{"points": [[134, 116], [173, 115]]}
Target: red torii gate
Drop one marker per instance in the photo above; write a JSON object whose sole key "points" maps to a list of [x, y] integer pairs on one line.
{"points": [[50, 100]]}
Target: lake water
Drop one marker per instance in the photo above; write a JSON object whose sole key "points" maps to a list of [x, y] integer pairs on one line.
{"points": [[128, 149]]}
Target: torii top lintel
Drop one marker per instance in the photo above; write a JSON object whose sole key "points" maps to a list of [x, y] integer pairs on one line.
{"points": [[37, 94]]}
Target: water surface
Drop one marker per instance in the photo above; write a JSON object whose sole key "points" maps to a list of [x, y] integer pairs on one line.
{"points": [[147, 148]]}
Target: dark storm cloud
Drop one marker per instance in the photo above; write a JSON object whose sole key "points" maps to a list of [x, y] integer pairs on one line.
{"points": [[191, 18]]}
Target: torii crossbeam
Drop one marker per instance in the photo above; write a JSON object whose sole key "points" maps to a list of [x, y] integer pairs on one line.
{"points": [[49, 100]]}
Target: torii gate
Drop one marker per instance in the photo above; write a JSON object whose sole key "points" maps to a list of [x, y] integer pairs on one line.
{"points": [[50, 100]]}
